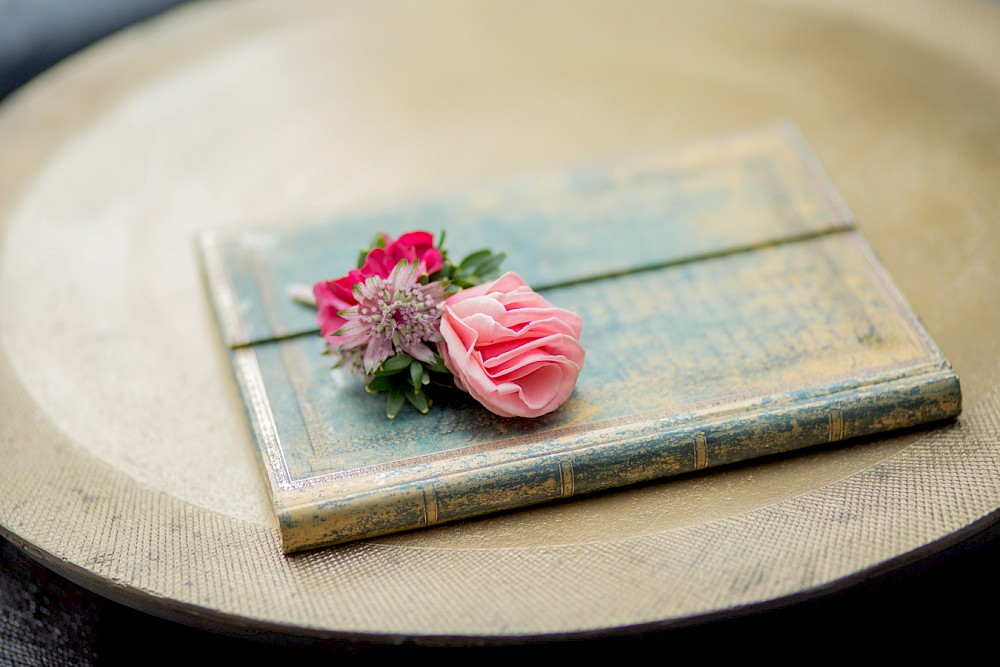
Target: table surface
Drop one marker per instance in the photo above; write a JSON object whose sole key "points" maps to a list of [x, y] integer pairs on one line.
{"points": [[118, 156]]}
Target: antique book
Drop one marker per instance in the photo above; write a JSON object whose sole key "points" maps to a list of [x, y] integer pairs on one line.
{"points": [[731, 310]]}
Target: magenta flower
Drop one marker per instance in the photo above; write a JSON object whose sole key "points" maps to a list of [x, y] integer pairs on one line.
{"points": [[415, 246], [394, 315], [334, 296]]}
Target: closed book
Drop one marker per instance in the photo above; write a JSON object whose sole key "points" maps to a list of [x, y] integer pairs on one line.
{"points": [[731, 310]]}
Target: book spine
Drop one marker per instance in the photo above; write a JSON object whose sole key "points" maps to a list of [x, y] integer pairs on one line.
{"points": [[615, 459]]}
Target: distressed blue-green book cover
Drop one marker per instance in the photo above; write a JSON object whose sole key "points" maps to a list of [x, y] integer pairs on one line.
{"points": [[731, 310]]}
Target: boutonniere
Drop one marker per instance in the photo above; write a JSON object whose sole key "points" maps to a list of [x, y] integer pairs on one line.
{"points": [[412, 322]]}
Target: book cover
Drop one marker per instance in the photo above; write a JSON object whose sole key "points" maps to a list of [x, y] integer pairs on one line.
{"points": [[731, 310]]}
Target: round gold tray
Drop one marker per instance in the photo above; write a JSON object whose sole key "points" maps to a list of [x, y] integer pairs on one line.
{"points": [[127, 463]]}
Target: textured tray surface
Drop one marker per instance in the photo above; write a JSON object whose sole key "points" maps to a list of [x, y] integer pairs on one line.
{"points": [[127, 463]]}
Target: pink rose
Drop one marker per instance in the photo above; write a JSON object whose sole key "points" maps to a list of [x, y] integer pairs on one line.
{"points": [[333, 296], [512, 350]]}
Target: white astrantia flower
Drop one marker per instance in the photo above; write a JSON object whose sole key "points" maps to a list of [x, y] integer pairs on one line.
{"points": [[393, 315]]}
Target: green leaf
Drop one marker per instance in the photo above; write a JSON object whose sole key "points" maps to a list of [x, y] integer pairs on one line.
{"points": [[396, 363], [473, 260], [382, 373], [491, 266], [379, 383], [444, 273], [416, 375], [419, 401], [438, 365], [394, 403]]}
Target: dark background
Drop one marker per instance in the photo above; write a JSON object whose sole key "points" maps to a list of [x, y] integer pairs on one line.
{"points": [[37, 34], [943, 599], [942, 604]]}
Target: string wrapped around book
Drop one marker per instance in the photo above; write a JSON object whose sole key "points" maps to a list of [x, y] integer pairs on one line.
{"points": [[411, 322]]}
